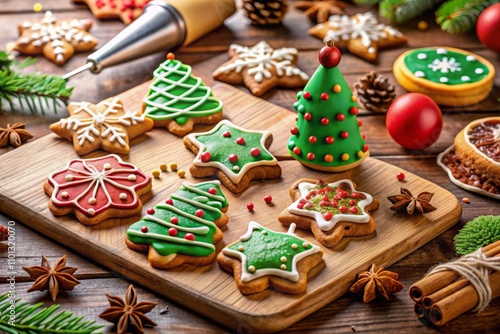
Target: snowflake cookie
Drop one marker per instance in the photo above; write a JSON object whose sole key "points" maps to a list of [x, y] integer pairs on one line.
{"points": [[104, 126], [450, 76], [361, 34], [184, 228], [97, 189], [263, 258], [261, 68], [56, 39], [126, 10], [235, 155], [330, 210]]}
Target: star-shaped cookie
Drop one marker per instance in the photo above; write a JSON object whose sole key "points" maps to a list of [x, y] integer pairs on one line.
{"points": [[56, 39], [235, 155], [361, 34], [261, 68], [125, 10], [104, 126]]}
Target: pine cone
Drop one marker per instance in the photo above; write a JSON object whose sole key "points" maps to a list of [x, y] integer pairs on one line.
{"points": [[375, 92], [265, 12]]}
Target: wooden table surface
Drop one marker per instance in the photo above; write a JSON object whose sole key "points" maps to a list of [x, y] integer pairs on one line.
{"points": [[348, 313]]}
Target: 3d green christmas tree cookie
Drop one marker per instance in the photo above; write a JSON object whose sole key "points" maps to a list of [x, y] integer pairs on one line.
{"points": [[326, 136], [182, 229], [178, 100], [262, 258]]}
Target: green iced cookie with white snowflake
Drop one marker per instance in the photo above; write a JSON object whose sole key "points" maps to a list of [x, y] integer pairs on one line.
{"points": [[451, 77]]}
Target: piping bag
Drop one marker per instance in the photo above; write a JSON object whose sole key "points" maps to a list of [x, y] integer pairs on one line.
{"points": [[163, 25]]}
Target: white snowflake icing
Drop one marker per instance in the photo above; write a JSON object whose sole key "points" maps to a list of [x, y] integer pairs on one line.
{"points": [[101, 124], [260, 58], [445, 65], [364, 26], [58, 32]]}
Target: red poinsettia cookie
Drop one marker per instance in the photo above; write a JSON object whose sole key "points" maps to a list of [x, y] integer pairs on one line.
{"points": [[97, 189]]}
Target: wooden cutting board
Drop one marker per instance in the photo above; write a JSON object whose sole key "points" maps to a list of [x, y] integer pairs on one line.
{"points": [[210, 290]]}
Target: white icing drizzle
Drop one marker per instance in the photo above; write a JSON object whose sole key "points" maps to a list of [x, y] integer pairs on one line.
{"points": [[422, 56], [443, 79], [163, 237], [470, 58], [420, 74], [326, 225], [364, 26], [235, 178], [465, 78], [100, 125], [249, 273], [260, 58], [441, 51], [479, 71], [96, 180], [60, 33], [445, 65]]}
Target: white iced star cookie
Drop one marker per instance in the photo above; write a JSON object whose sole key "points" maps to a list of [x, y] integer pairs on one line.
{"points": [[451, 77], [361, 34], [261, 68], [330, 210]]}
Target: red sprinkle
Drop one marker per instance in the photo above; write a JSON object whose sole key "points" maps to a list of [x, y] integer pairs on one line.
{"points": [[172, 232], [340, 117], [254, 152], [233, 157], [306, 95], [189, 236], [466, 200], [268, 198], [325, 121], [200, 213], [312, 139], [310, 156], [250, 206], [343, 209], [144, 229], [353, 110], [344, 134], [328, 215], [324, 96], [294, 130], [354, 209], [226, 134], [400, 176], [169, 201], [360, 123], [365, 148], [329, 140], [212, 191], [240, 141], [296, 150], [205, 156], [150, 211], [174, 220], [352, 202], [307, 116]]}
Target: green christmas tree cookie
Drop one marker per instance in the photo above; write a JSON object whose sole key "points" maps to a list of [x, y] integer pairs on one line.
{"points": [[262, 258], [326, 136], [178, 100], [182, 229]]}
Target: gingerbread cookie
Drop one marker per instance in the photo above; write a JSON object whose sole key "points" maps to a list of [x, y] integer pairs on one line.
{"points": [[103, 126], [261, 68], [182, 229], [178, 100], [361, 34], [125, 10], [56, 39], [330, 210], [451, 77], [97, 189], [473, 162], [233, 154], [263, 258]]}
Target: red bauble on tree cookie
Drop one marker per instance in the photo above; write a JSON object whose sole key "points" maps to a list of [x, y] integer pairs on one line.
{"points": [[329, 55], [488, 26], [414, 121]]}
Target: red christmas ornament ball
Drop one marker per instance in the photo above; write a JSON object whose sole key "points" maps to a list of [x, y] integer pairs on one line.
{"points": [[268, 198], [329, 56], [414, 121], [488, 26]]}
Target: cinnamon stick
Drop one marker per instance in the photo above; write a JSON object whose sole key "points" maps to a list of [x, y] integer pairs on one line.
{"points": [[460, 302], [420, 311], [434, 282], [428, 301]]}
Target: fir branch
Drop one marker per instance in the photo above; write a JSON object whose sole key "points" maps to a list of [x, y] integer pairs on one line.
{"points": [[34, 319], [459, 16], [399, 11], [30, 90], [477, 233]]}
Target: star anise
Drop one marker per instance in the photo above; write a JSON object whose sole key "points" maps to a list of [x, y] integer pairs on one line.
{"points": [[54, 279], [376, 282], [406, 201], [128, 315], [320, 10], [16, 135]]}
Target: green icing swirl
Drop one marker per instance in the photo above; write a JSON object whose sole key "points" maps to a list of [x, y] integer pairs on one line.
{"points": [[221, 147], [323, 81], [176, 94], [186, 201], [445, 66]]}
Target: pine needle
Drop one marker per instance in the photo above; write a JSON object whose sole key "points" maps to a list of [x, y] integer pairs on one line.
{"points": [[459, 16], [399, 11], [29, 90], [477, 233]]}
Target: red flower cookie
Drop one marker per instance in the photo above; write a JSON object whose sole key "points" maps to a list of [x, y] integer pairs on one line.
{"points": [[97, 189]]}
